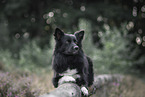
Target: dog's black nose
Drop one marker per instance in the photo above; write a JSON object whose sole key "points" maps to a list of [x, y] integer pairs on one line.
{"points": [[76, 48]]}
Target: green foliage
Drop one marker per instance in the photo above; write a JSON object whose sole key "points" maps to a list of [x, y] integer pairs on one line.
{"points": [[112, 56], [32, 55], [37, 22], [3, 33], [6, 60], [31, 58], [87, 43], [115, 56]]}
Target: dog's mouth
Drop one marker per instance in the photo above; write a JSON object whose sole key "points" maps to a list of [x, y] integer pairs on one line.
{"points": [[70, 53]]}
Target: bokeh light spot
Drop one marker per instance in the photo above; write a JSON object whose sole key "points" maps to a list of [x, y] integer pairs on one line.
{"points": [[17, 36], [50, 14], [33, 20], [45, 16], [58, 11], [143, 8], [135, 1], [48, 21], [130, 25], [82, 8], [47, 28], [143, 38], [26, 35], [100, 33], [134, 11], [100, 18], [65, 15], [143, 44], [140, 31], [138, 40]]}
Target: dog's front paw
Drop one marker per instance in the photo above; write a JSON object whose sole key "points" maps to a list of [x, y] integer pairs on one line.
{"points": [[85, 91], [66, 79]]}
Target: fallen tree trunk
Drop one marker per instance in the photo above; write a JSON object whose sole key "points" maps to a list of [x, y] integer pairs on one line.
{"points": [[65, 90], [73, 90]]}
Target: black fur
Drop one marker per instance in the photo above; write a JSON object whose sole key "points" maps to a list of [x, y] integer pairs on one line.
{"points": [[68, 53]]}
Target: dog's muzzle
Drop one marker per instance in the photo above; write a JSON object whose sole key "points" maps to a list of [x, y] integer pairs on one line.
{"points": [[76, 48]]}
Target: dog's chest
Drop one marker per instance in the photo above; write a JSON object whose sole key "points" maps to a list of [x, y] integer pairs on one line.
{"points": [[69, 72]]}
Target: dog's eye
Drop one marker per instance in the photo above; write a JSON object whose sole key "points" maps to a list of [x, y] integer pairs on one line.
{"points": [[75, 42], [68, 41]]}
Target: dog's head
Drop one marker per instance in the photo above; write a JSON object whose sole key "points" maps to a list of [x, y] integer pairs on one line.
{"points": [[68, 44]]}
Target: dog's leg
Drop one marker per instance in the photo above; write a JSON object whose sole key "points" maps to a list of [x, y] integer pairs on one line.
{"points": [[84, 91], [83, 82], [91, 72], [85, 78], [84, 87], [56, 79]]}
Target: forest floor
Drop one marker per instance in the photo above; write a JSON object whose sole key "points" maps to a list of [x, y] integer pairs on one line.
{"points": [[130, 86]]}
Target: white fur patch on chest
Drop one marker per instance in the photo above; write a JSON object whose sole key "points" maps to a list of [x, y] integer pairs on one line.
{"points": [[69, 75], [69, 72], [66, 79]]}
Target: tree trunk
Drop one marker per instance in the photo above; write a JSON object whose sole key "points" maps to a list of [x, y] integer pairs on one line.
{"points": [[73, 90], [65, 90]]}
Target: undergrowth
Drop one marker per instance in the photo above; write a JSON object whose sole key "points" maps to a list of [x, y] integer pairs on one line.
{"points": [[16, 86]]}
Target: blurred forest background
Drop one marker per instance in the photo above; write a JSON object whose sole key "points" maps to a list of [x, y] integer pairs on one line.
{"points": [[114, 39]]}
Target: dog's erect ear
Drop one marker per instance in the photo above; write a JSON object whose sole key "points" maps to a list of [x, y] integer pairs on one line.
{"points": [[79, 35], [58, 34]]}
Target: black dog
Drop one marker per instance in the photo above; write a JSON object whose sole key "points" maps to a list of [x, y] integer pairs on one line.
{"points": [[70, 64]]}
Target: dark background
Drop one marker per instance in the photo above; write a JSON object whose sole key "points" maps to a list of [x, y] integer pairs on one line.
{"points": [[25, 21]]}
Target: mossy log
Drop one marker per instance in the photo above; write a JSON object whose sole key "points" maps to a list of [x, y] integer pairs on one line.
{"points": [[73, 90]]}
